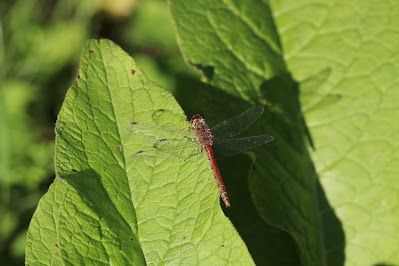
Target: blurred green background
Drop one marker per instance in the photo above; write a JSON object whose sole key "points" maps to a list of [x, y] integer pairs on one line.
{"points": [[40, 47]]}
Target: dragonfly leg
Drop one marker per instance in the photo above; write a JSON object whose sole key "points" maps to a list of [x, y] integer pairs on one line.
{"points": [[198, 148]]}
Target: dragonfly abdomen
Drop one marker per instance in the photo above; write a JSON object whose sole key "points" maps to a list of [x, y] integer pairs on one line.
{"points": [[218, 177]]}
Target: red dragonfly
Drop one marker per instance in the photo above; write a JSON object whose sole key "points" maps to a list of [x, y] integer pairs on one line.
{"points": [[190, 141]]}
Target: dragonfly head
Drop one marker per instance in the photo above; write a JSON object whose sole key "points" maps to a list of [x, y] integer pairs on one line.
{"points": [[197, 120]]}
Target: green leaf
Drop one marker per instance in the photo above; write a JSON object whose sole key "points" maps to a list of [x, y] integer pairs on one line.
{"points": [[356, 136], [340, 203], [105, 207]]}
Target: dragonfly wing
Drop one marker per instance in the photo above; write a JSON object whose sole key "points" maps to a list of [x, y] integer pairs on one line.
{"points": [[230, 147], [234, 126], [184, 152], [160, 142], [160, 135]]}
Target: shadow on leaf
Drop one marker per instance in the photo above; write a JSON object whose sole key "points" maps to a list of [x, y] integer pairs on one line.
{"points": [[282, 184]]}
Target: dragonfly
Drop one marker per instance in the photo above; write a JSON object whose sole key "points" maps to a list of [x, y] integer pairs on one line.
{"points": [[191, 141]]}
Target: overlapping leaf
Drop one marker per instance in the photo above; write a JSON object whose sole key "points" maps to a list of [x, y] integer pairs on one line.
{"points": [[342, 57]]}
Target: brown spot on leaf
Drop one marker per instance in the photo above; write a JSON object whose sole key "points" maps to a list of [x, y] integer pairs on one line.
{"points": [[119, 148], [98, 41], [56, 245], [133, 71], [74, 170], [91, 51]]}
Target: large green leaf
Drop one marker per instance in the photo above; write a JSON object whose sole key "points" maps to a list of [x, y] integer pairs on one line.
{"points": [[342, 57], [105, 207]]}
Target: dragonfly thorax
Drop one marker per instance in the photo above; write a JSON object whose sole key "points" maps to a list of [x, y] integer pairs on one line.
{"points": [[202, 130]]}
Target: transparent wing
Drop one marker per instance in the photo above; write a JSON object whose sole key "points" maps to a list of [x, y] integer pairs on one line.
{"points": [[234, 126], [161, 135], [183, 152], [163, 142], [230, 147]]}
